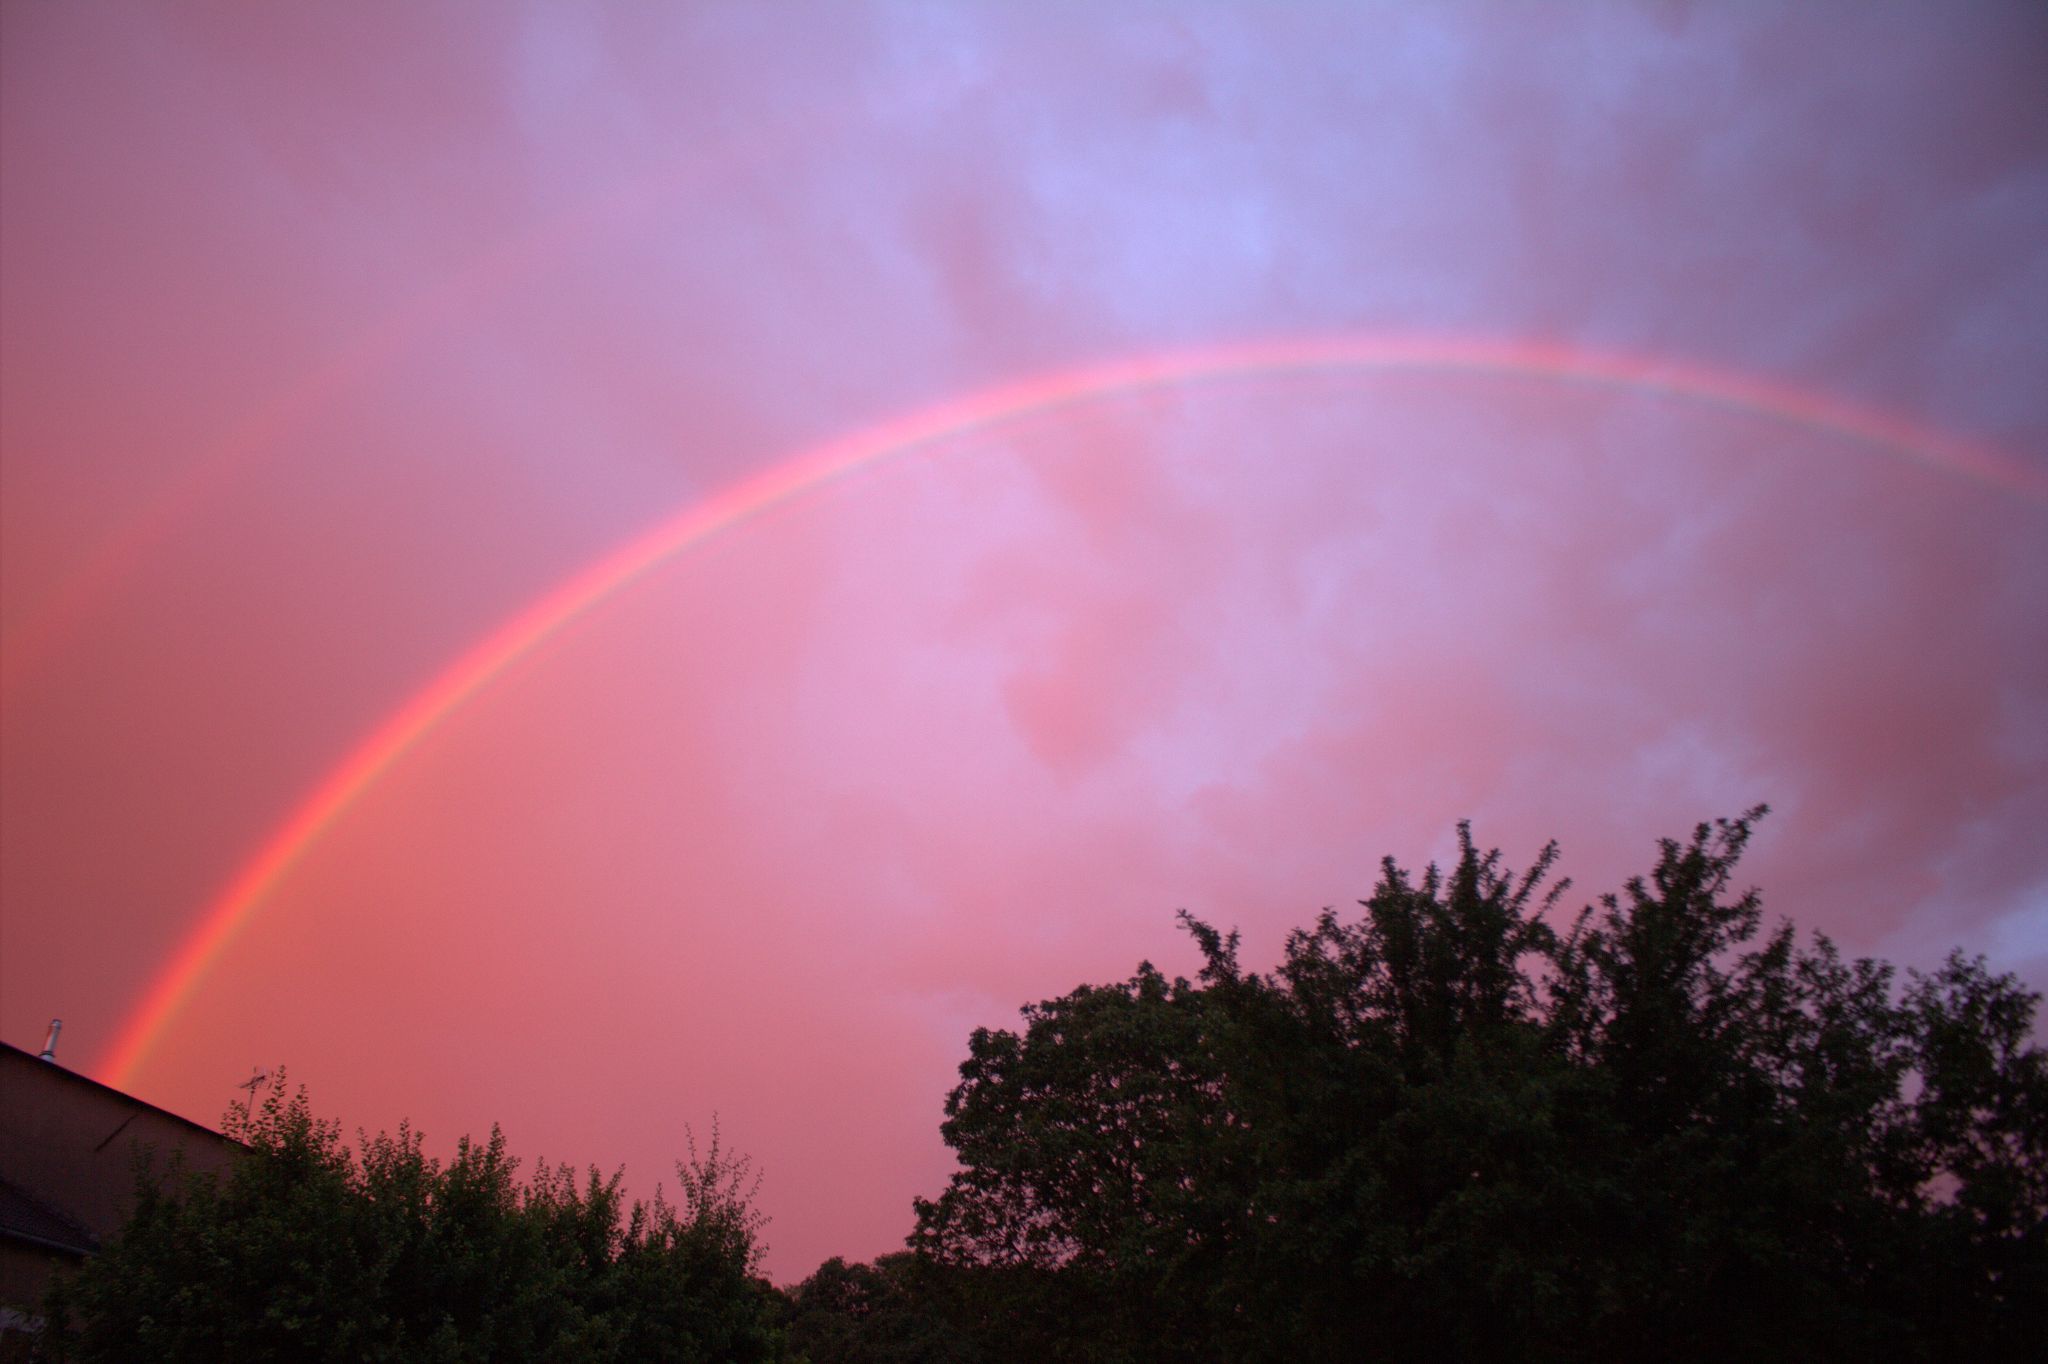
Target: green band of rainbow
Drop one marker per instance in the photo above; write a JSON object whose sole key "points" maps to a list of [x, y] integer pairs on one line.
{"points": [[535, 624]]}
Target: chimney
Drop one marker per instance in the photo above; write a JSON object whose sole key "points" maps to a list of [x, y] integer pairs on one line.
{"points": [[50, 1047]]}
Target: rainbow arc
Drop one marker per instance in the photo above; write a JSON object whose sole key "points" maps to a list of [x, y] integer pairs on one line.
{"points": [[927, 429]]}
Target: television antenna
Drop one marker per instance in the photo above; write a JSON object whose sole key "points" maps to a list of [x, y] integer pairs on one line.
{"points": [[259, 1077]]}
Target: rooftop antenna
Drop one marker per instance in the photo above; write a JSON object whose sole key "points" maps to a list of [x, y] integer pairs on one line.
{"points": [[50, 1044], [258, 1077]]}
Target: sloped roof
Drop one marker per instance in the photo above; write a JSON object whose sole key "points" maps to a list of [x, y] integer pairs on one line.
{"points": [[24, 1217], [87, 1082]]}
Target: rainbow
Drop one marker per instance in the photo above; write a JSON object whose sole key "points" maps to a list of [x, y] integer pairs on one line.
{"points": [[583, 592]]}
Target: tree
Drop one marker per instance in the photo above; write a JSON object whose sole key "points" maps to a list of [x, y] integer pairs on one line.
{"points": [[1448, 1127], [895, 1311], [1077, 1139], [306, 1251]]}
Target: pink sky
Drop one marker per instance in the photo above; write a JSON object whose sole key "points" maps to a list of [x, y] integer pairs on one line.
{"points": [[332, 337]]}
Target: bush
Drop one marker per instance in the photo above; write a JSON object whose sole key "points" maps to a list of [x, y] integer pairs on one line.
{"points": [[306, 1251]]}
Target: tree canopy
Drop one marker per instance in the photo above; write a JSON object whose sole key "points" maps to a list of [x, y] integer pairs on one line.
{"points": [[1452, 1128], [310, 1251]]}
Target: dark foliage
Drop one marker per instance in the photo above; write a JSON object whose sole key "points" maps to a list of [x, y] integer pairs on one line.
{"points": [[1446, 1129], [898, 1310], [307, 1251]]}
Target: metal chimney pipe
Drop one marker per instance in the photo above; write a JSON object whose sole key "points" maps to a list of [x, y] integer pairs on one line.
{"points": [[50, 1046]]}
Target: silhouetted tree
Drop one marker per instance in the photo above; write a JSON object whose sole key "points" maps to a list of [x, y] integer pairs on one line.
{"points": [[307, 1252], [1446, 1128], [894, 1311]]}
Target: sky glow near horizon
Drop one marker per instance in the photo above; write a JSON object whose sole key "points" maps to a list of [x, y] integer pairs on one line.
{"points": [[332, 343]]}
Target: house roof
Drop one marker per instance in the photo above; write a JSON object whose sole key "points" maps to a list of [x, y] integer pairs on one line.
{"points": [[24, 1217], [58, 1068]]}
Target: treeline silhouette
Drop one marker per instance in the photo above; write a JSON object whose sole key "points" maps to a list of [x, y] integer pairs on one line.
{"points": [[311, 1251], [1446, 1128]]}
